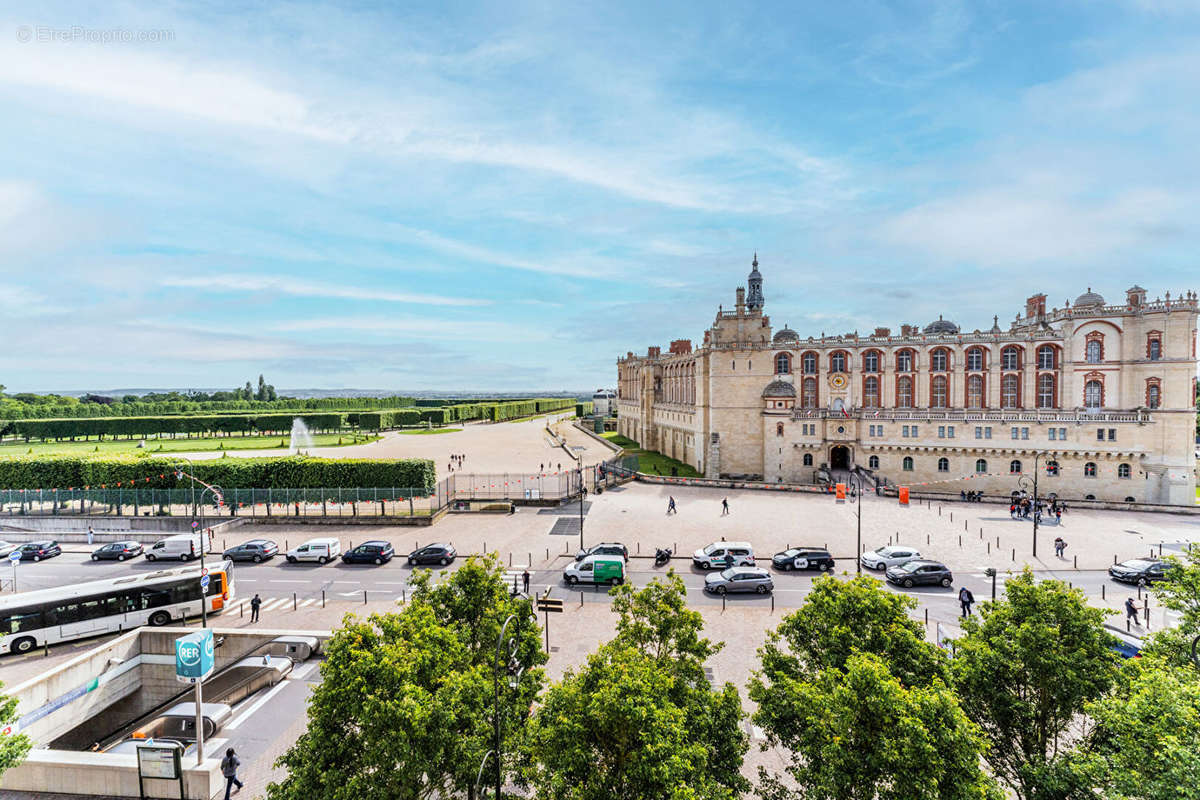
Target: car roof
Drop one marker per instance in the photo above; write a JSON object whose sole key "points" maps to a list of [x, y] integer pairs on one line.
{"points": [[376, 541], [731, 544], [928, 562], [39, 542], [259, 541]]}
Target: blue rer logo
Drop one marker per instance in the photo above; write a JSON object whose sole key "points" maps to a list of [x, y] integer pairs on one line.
{"points": [[189, 654]]}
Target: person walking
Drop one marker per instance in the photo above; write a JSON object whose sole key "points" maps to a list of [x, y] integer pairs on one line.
{"points": [[229, 767], [91, 534], [1058, 515], [525, 580], [671, 506], [965, 599], [729, 559], [725, 507], [1131, 611], [255, 605]]}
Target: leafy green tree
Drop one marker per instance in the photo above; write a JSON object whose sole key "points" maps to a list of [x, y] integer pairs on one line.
{"points": [[641, 719], [15, 747], [407, 700], [1024, 671], [1147, 733], [1180, 592]]}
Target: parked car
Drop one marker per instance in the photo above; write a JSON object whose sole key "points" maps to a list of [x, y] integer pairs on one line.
{"points": [[36, 551], [920, 572], [596, 569], [117, 550], [375, 551], [739, 579], [183, 547], [255, 550], [604, 549], [6, 548], [321, 550], [716, 555], [440, 553], [1139, 571], [803, 558], [891, 556]]}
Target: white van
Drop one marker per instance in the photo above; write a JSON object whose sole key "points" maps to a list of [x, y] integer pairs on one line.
{"points": [[319, 550], [183, 547]]}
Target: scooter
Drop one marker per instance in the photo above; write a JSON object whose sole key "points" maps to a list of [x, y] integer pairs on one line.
{"points": [[661, 556]]}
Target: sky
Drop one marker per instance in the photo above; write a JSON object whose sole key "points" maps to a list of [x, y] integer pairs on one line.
{"points": [[510, 196]]}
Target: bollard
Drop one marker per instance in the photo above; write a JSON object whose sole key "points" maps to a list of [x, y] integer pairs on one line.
{"points": [[989, 544], [1014, 557], [997, 541], [285, 545], [364, 597], [547, 553], [530, 562], [404, 595], [242, 609], [322, 598], [293, 601], [960, 541], [927, 616], [1114, 559], [1102, 592], [581, 599], [510, 558], [47, 653], [1127, 624], [927, 538], [772, 602], [639, 548], [939, 511], [722, 603], [1076, 562], [964, 524], [1139, 591], [952, 516]]}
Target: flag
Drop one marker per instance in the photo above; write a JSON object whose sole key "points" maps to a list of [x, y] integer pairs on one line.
{"points": [[845, 413]]}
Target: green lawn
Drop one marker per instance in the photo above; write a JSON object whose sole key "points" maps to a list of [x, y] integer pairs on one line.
{"points": [[649, 461], [130, 446], [431, 431]]}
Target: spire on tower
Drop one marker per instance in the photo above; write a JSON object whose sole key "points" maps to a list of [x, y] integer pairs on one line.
{"points": [[754, 298]]}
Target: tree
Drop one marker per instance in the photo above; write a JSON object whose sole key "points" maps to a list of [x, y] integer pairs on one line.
{"points": [[1180, 591], [13, 747], [1147, 733], [262, 389], [1024, 671], [406, 702], [641, 718]]}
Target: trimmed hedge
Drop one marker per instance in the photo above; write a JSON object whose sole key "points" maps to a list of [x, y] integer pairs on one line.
{"points": [[13, 409], [149, 426], [286, 472], [496, 412], [585, 409]]}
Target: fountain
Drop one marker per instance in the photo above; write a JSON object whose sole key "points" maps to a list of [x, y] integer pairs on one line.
{"points": [[300, 437]]}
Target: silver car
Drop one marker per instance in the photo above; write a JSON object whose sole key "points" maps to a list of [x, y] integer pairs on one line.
{"points": [[890, 556], [739, 579]]}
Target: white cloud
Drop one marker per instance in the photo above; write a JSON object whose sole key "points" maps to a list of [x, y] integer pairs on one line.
{"points": [[303, 288], [440, 329]]}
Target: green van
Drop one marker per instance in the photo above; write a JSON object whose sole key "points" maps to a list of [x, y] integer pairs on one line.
{"points": [[596, 569]]}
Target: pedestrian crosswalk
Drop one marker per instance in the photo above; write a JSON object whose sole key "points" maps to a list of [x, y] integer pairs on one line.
{"points": [[514, 577]]}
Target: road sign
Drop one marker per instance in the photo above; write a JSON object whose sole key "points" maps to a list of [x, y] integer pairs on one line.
{"points": [[195, 524], [14, 556], [548, 604], [204, 570], [204, 580], [194, 656]]}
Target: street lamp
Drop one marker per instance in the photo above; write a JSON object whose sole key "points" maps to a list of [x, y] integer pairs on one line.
{"points": [[1024, 483], [582, 495], [506, 647], [856, 479], [218, 497]]}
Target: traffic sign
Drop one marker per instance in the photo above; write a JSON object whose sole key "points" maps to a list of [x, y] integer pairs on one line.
{"points": [[549, 604], [195, 524], [204, 579], [204, 570], [14, 556]]}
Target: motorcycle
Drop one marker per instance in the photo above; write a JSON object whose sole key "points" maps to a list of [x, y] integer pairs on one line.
{"points": [[661, 556]]}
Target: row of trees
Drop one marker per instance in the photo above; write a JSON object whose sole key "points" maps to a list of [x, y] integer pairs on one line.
{"points": [[139, 427], [1033, 703]]}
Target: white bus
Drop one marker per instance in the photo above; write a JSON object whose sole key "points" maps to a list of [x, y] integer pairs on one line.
{"points": [[49, 616]]}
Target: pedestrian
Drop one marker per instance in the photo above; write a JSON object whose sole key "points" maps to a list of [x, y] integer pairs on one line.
{"points": [[725, 507], [541, 467], [1058, 515], [255, 605], [965, 599], [560, 466], [962, 495], [671, 506], [525, 580], [1012, 510], [91, 534], [1131, 611], [729, 559], [229, 767]]}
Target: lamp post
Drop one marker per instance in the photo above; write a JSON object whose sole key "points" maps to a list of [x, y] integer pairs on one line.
{"points": [[218, 496], [582, 495], [1025, 483], [506, 647], [855, 480]]}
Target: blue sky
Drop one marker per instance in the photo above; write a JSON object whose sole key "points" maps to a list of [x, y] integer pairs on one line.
{"points": [[509, 196]]}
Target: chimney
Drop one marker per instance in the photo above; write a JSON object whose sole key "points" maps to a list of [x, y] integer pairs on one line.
{"points": [[681, 346], [740, 306], [653, 352], [1035, 306], [882, 333], [906, 329]]}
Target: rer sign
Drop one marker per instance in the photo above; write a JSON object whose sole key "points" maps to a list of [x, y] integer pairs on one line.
{"points": [[194, 656]]}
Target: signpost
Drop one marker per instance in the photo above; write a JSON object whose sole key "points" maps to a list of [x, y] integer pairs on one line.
{"points": [[194, 663], [15, 558], [546, 604]]}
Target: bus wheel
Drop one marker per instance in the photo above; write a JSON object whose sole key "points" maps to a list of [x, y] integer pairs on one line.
{"points": [[160, 618], [24, 644]]}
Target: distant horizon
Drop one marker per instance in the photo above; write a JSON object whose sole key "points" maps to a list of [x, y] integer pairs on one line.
{"points": [[311, 392]]}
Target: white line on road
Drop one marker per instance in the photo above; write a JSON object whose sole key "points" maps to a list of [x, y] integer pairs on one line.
{"points": [[259, 703], [273, 580]]}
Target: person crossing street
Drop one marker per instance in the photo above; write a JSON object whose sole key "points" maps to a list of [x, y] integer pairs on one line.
{"points": [[255, 605], [966, 600]]}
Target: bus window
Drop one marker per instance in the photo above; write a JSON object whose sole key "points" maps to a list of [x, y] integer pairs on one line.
{"points": [[154, 598], [21, 621]]}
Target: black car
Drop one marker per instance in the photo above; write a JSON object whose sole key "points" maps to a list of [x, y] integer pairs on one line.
{"points": [[433, 554], [920, 573], [36, 551], [803, 558], [255, 550], [117, 550], [373, 552], [604, 549], [1140, 571]]}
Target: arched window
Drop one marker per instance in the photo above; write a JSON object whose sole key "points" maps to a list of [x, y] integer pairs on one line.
{"points": [[1010, 358], [1093, 394], [1045, 357], [809, 363], [975, 391], [943, 465], [938, 360], [980, 466], [837, 361], [1052, 468], [1014, 467], [904, 393], [808, 459], [873, 462], [1089, 469], [1010, 391], [779, 429], [1045, 392], [939, 393], [904, 361], [1123, 471], [871, 392], [783, 364], [975, 358], [1153, 393], [871, 361], [907, 464], [809, 393], [1094, 351]]}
